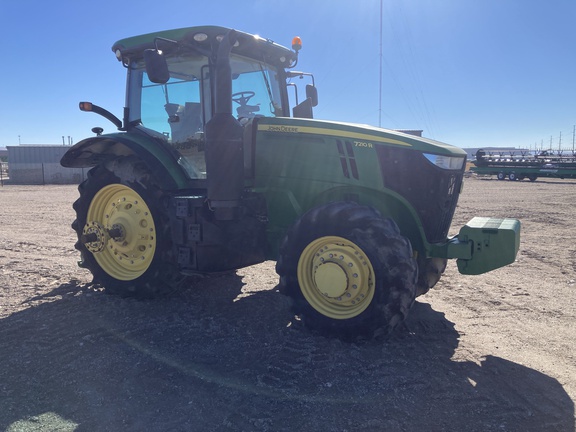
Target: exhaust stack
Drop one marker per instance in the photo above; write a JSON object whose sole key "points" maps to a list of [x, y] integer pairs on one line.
{"points": [[224, 146]]}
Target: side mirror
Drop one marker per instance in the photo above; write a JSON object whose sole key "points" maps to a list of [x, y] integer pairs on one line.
{"points": [[156, 66], [312, 94]]}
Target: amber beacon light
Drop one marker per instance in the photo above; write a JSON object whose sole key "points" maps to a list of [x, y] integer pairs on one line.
{"points": [[297, 44]]}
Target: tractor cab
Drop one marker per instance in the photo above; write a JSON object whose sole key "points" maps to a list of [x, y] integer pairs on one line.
{"points": [[173, 88]]}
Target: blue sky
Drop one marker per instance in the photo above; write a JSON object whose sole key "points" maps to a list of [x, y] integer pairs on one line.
{"points": [[473, 73]]}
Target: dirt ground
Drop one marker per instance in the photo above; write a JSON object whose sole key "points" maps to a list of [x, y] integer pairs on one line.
{"points": [[480, 353]]}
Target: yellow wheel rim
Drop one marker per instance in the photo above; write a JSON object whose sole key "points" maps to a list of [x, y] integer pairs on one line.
{"points": [[128, 253], [336, 277]]}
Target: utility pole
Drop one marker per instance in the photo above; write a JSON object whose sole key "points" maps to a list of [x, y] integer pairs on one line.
{"points": [[381, 57]]}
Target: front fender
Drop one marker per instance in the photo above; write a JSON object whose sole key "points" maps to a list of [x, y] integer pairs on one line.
{"points": [[389, 204], [161, 160]]}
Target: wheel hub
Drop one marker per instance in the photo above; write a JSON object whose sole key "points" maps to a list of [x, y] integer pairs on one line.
{"points": [[94, 237], [120, 232], [331, 280], [336, 277]]}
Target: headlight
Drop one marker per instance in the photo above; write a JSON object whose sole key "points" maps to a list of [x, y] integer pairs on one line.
{"points": [[446, 162]]}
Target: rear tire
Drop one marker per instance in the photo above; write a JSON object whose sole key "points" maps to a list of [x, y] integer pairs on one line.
{"points": [[138, 262], [348, 270], [512, 177], [501, 176]]}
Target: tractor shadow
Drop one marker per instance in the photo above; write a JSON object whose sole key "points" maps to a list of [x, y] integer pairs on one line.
{"points": [[223, 356]]}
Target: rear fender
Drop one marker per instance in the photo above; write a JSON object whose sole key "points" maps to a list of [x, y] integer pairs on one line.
{"points": [[161, 161]]}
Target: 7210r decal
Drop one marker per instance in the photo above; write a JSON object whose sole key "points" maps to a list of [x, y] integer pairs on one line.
{"points": [[363, 144]]}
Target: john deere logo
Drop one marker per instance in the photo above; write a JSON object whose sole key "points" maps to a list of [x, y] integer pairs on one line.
{"points": [[288, 129]]}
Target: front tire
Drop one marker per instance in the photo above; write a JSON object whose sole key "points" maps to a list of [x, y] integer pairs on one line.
{"points": [[430, 271], [348, 270], [124, 232]]}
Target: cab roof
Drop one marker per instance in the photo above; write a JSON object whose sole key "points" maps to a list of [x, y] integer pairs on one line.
{"points": [[204, 39]]}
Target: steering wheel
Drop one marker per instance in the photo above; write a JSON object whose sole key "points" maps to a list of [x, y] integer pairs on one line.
{"points": [[243, 97]]}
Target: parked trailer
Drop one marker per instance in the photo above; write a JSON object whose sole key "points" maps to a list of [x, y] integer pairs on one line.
{"points": [[525, 166]]}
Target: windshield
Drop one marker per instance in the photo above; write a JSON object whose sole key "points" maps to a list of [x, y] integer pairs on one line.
{"points": [[255, 88], [179, 110]]}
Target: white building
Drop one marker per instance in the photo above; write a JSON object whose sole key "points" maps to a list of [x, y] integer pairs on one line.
{"points": [[40, 164]]}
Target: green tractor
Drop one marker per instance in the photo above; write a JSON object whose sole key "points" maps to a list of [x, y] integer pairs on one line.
{"points": [[212, 171]]}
